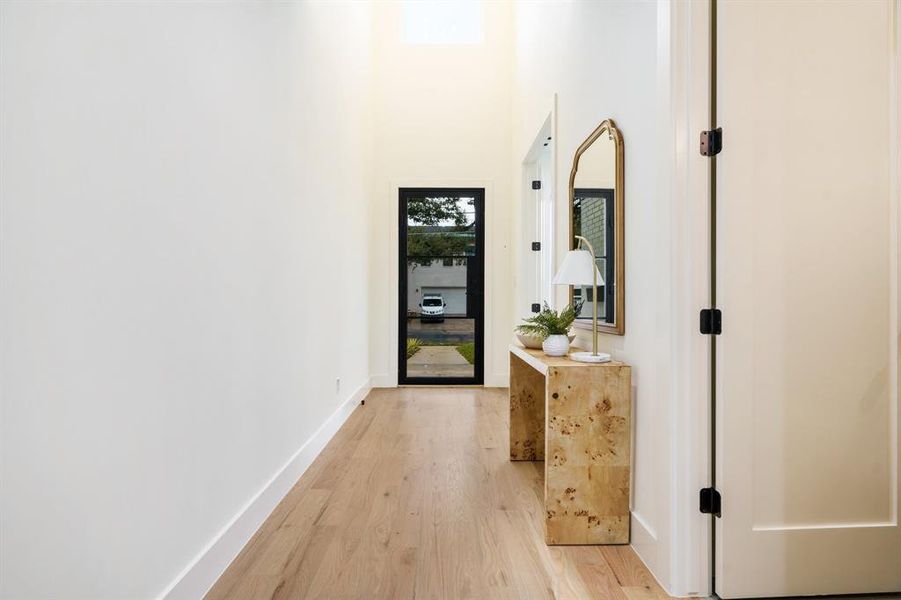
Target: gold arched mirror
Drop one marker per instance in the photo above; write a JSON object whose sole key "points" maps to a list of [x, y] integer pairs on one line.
{"points": [[596, 210]]}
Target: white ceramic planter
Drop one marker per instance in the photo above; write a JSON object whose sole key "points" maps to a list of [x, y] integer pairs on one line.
{"points": [[555, 345]]}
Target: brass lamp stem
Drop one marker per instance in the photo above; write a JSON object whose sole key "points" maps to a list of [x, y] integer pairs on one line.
{"points": [[594, 297]]}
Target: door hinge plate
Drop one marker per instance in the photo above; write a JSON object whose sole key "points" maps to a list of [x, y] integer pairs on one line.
{"points": [[711, 142], [536, 307], [536, 185], [711, 321], [536, 246], [711, 503]]}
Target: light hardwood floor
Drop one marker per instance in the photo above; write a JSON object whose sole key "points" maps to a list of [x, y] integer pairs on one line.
{"points": [[415, 497]]}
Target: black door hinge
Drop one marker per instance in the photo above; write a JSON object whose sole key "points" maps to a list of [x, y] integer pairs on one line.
{"points": [[536, 307], [536, 185], [536, 246], [711, 503], [711, 321], [711, 142]]}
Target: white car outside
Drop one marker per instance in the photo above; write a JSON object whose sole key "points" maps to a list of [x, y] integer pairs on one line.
{"points": [[432, 308]]}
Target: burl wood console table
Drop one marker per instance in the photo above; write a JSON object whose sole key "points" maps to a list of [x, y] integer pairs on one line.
{"points": [[576, 418]]}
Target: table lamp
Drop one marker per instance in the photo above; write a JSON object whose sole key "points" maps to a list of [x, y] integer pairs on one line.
{"points": [[578, 268]]}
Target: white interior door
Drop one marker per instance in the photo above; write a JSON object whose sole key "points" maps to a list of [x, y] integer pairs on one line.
{"points": [[807, 365], [537, 218], [545, 224], [529, 290]]}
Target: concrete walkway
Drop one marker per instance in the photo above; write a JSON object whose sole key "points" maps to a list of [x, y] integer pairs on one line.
{"points": [[438, 361]]}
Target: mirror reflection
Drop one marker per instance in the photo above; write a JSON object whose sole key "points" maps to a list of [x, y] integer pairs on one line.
{"points": [[594, 216]]}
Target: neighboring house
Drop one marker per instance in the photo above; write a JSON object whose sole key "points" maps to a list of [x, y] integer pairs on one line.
{"points": [[443, 276], [447, 275], [593, 226]]}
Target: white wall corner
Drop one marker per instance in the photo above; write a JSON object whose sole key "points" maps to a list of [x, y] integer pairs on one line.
{"points": [[497, 380], [383, 380], [200, 575]]}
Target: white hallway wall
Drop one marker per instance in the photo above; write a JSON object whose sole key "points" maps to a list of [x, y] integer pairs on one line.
{"points": [[169, 201], [176, 304], [442, 118], [605, 60]]}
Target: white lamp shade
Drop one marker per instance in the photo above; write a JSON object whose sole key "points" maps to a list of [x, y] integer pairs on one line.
{"points": [[577, 269]]}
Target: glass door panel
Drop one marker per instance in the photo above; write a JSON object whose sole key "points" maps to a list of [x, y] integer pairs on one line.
{"points": [[441, 286]]}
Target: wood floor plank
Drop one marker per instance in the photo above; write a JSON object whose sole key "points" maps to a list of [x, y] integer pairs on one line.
{"points": [[264, 560], [415, 497], [297, 577], [631, 572]]}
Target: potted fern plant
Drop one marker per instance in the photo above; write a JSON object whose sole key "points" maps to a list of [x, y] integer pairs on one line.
{"points": [[552, 327]]}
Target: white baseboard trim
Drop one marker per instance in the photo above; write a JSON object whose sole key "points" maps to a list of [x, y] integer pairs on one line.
{"points": [[640, 524], [200, 575], [644, 543], [496, 380]]}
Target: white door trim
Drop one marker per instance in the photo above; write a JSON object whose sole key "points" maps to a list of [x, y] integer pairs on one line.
{"points": [[495, 373], [683, 87], [895, 207], [545, 214]]}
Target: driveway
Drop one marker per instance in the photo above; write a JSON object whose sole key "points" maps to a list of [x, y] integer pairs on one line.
{"points": [[438, 361], [450, 331]]}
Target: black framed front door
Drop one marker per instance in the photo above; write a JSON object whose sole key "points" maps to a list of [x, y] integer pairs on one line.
{"points": [[441, 283]]}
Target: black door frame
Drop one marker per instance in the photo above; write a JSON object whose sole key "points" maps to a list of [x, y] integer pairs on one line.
{"points": [[713, 286], [477, 300]]}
